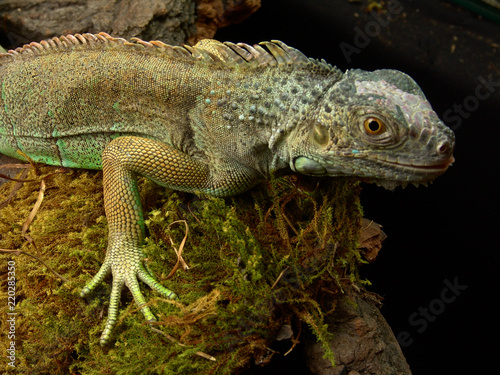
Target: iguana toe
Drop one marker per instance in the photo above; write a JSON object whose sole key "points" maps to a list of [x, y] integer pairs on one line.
{"points": [[129, 276]]}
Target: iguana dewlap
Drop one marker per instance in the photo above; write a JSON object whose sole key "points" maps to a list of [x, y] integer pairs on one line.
{"points": [[214, 118]]}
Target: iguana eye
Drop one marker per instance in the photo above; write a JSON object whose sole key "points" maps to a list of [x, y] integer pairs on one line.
{"points": [[374, 126]]}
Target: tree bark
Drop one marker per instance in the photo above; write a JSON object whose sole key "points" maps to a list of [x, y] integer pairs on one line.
{"points": [[171, 21], [363, 343]]}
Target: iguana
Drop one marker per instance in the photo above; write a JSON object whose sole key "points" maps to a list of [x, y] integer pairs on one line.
{"points": [[214, 118]]}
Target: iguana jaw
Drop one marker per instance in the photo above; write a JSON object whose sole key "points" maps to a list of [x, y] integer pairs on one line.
{"points": [[374, 168], [422, 174]]}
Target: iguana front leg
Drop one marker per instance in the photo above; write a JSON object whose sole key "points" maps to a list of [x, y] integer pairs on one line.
{"points": [[123, 159]]}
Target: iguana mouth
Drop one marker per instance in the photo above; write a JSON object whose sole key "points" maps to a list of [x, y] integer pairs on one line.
{"points": [[420, 174], [439, 166], [431, 167], [422, 166]]}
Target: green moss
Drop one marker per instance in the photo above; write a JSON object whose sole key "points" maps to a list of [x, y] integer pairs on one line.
{"points": [[257, 261]]}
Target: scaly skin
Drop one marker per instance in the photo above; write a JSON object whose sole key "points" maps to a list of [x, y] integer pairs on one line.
{"points": [[214, 118]]}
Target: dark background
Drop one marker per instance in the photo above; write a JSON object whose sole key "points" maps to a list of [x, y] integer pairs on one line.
{"points": [[446, 231]]}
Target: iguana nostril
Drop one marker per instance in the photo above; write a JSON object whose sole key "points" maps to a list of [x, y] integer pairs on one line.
{"points": [[443, 148]]}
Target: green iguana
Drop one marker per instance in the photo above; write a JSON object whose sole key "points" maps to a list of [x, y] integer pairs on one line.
{"points": [[214, 118]]}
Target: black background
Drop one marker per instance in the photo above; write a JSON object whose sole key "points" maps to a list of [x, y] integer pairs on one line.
{"points": [[448, 230]]}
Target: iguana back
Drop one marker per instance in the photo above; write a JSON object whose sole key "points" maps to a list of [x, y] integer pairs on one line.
{"points": [[64, 100]]}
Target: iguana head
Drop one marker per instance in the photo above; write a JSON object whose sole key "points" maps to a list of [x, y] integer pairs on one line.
{"points": [[376, 125]]}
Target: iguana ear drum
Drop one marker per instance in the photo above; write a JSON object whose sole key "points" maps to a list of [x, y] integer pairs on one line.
{"points": [[320, 134], [307, 166]]}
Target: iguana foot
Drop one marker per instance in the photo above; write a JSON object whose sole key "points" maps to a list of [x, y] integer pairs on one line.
{"points": [[124, 273]]}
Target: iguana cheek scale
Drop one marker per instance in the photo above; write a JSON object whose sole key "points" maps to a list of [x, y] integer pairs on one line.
{"points": [[214, 118]]}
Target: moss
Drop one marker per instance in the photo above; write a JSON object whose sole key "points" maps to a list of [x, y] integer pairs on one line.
{"points": [[257, 261]]}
